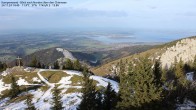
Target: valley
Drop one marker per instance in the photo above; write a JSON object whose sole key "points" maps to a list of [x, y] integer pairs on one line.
{"points": [[82, 44]]}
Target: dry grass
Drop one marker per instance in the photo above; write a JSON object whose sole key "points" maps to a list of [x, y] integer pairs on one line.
{"points": [[54, 76], [72, 90]]}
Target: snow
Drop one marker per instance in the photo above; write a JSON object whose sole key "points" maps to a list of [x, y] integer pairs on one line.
{"points": [[104, 82], [4, 73], [43, 99], [16, 106], [187, 105], [66, 53], [71, 101], [65, 80], [4, 86], [72, 72], [35, 79], [28, 69], [21, 82], [189, 76]]}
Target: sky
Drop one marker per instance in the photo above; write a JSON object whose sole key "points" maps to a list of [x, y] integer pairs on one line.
{"points": [[136, 14]]}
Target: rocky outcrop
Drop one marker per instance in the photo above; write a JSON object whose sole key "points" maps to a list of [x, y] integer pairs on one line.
{"points": [[184, 49]]}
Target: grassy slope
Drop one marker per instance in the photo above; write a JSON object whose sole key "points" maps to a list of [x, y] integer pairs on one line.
{"points": [[156, 51]]}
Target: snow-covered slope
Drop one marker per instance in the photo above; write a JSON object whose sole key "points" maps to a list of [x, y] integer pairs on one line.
{"points": [[69, 83], [66, 53]]}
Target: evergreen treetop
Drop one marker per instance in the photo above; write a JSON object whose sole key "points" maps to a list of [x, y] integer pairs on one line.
{"points": [[56, 97], [28, 102]]}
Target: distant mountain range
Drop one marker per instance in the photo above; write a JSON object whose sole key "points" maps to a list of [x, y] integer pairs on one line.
{"points": [[49, 56]]}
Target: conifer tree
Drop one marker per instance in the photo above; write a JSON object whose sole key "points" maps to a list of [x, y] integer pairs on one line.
{"points": [[126, 91], [57, 103], [179, 73], [69, 64], [33, 62], [194, 67], [56, 65], [3, 66], [39, 65], [77, 65], [144, 88], [157, 73], [164, 75], [88, 93], [43, 66], [98, 101], [28, 102], [14, 88], [110, 98]]}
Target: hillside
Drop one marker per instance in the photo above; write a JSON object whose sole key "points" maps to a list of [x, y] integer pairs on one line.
{"points": [[184, 49], [40, 84], [93, 58], [49, 56]]}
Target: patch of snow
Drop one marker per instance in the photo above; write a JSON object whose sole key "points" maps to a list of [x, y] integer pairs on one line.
{"points": [[189, 76], [71, 101], [16, 106], [95, 61], [29, 69], [65, 80], [66, 53], [4, 86], [72, 72], [187, 105], [104, 82], [4, 73], [22, 82], [3, 101], [35, 79]]}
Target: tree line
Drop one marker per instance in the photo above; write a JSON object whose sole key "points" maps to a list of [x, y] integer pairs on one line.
{"points": [[3, 66], [69, 65]]}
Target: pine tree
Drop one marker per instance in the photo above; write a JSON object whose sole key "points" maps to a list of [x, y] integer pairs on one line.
{"points": [[164, 75], [14, 88], [33, 62], [179, 73], [110, 98], [69, 64], [57, 104], [56, 65], [194, 67], [89, 93], [28, 102], [145, 90], [125, 92], [98, 101], [39, 65], [121, 74], [77, 65], [3, 66], [43, 66], [157, 73]]}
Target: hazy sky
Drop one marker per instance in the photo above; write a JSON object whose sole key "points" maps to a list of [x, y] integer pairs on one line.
{"points": [[145, 14]]}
